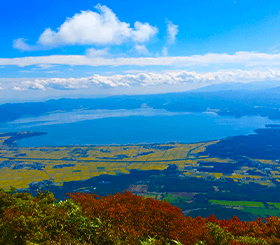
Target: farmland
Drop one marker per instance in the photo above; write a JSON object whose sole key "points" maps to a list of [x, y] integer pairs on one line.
{"points": [[21, 166], [190, 176]]}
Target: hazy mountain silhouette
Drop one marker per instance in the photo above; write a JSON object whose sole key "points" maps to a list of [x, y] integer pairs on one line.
{"points": [[253, 86]]}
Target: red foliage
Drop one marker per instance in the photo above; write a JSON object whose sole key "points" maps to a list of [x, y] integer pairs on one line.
{"points": [[123, 219], [130, 217], [268, 231]]}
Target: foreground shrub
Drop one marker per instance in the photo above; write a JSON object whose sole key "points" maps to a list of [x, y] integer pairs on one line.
{"points": [[129, 218], [119, 219], [39, 220]]}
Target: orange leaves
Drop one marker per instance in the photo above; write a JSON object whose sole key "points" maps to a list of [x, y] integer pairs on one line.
{"points": [[133, 217], [122, 218], [267, 232]]}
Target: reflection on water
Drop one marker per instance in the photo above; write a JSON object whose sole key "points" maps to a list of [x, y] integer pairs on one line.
{"points": [[76, 116]]}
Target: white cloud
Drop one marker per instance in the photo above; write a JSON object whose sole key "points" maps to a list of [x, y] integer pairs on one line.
{"points": [[141, 49], [67, 83], [172, 31], [51, 72], [165, 51], [248, 59], [45, 66], [16, 88], [143, 32], [92, 52], [147, 79], [91, 28], [21, 45]]}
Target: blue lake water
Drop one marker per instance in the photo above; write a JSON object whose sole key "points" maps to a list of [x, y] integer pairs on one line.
{"points": [[146, 125]]}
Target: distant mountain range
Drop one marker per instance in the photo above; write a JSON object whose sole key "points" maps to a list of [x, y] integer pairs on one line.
{"points": [[253, 86], [225, 99]]}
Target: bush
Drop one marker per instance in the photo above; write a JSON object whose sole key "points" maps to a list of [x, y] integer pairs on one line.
{"points": [[128, 218], [119, 219]]}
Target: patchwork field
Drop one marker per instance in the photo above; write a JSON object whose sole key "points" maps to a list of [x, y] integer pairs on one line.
{"points": [[21, 166]]}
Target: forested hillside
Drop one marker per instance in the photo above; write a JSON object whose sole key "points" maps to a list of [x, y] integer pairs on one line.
{"points": [[119, 219]]}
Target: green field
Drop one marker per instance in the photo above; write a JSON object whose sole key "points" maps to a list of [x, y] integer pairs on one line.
{"points": [[173, 198], [263, 212], [275, 204], [237, 203], [256, 208]]}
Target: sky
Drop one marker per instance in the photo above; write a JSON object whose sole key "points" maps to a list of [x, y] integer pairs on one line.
{"points": [[95, 48]]}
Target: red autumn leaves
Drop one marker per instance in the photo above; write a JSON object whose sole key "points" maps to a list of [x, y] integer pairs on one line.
{"points": [[133, 218], [119, 219]]}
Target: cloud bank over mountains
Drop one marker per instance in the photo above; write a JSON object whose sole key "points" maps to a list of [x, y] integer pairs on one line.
{"points": [[144, 79]]}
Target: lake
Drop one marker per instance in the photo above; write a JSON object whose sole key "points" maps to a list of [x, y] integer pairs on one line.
{"points": [[145, 125]]}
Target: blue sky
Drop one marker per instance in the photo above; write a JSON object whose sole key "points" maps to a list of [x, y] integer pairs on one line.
{"points": [[58, 48]]}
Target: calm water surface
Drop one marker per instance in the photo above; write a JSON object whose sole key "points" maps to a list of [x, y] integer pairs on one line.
{"points": [[144, 125]]}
